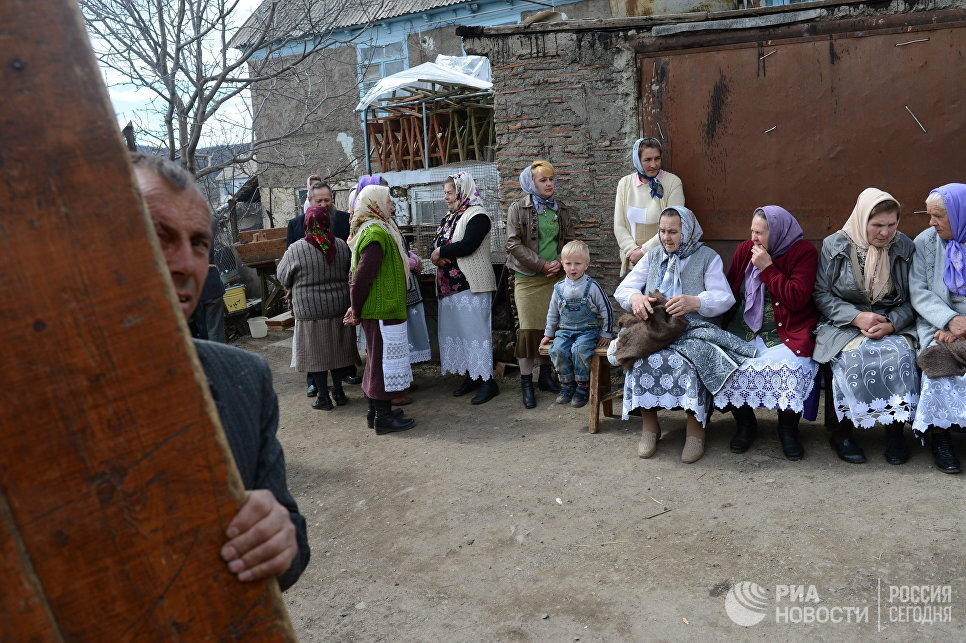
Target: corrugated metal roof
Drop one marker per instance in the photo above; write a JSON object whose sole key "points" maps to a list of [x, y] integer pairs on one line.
{"points": [[290, 20]]}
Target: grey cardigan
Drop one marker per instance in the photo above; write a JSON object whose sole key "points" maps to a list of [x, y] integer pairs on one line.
{"points": [[930, 296], [839, 297], [319, 290]]}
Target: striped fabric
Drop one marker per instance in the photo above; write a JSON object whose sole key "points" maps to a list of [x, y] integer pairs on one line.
{"points": [[319, 290]]}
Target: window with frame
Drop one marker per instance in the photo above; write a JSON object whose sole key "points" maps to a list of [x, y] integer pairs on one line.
{"points": [[377, 62]]}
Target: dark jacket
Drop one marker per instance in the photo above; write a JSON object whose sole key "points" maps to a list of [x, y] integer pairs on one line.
{"points": [[791, 280], [840, 297], [296, 227], [241, 385], [522, 235]]}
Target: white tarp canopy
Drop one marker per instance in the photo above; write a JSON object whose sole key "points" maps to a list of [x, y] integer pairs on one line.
{"points": [[447, 70]]}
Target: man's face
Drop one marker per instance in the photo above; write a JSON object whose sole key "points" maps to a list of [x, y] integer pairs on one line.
{"points": [[321, 198], [183, 226]]}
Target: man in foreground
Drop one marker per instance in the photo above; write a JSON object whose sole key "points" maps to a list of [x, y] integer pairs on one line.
{"points": [[268, 535]]}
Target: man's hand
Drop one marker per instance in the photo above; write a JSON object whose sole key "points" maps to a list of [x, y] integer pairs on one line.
{"points": [[880, 330], [350, 318], [641, 305], [261, 538], [635, 256], [945, 337], [546, 341], [865, 321], [957, 326], [682, 305], [760, 257], [551, 268], [603, 342]]}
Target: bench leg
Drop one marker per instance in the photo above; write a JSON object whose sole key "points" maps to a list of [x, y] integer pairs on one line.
{"points": [[595, 384]]}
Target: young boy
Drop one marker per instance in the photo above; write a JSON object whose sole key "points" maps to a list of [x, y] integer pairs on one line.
{"points": [[579, 320]]}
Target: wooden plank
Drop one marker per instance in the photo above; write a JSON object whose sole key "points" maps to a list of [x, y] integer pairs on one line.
{"points": [[116, 475], [281, 322]]}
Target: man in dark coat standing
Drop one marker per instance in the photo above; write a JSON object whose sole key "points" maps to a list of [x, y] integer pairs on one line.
{"points": [[320, 195]]}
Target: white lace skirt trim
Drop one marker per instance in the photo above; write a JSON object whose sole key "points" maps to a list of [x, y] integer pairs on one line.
{"points": [[876, 383], [666, 380], [942, 404], [775, 379], [465, 337], [397, 373]]}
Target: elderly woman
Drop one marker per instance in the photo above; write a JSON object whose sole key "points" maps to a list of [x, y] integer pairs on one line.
{"points": [[641, 198], [773, 276], [315, 271], [937, 283], [377, 292], [537, 227], [690, 275], [867, 332], [465, 283]]}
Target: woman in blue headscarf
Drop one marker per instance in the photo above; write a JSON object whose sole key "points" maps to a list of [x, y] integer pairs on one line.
{"points": [[641, 198], [691, 276], [937, 283]]}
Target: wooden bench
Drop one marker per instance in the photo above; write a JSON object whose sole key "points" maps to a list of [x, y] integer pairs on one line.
{"points": [[601, 397]]}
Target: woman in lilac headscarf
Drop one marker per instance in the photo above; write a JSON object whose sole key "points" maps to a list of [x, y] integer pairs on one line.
{"points": [[937, 283], [772, 276]]}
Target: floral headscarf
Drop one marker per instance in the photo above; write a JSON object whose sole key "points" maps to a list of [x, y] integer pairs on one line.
{"points": [[954, 201], [690, 242], [528, 185], [783, 231], [877, 280], [657, 189], [318, 231], [373, 207], [467, 196]]}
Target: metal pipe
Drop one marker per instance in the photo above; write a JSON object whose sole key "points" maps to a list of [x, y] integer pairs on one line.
{"points": [[365, 140], [425, 139]]}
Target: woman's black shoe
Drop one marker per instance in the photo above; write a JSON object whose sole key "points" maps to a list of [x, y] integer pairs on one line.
{"points": [[323, 402], [746, 431], [545, 380], [384, 421], [338, 396], [942, 451], [846, 448], [355, 380], [526, 388], [788, 434], [371, 416], [488, 390], [468, 386], [896, 451], [311, 390]]}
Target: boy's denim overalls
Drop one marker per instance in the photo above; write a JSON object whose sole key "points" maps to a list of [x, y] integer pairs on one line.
{"points": [[576, 337]]}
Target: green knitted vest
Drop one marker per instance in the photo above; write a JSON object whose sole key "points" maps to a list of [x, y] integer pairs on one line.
{"points": [[387, 297]]}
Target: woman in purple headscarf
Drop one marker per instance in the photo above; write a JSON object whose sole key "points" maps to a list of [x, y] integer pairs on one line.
{"points": [[867, 333], [772, 276], [937, 283]]}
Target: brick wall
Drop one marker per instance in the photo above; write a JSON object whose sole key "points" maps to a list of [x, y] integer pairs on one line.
{"points": [[569, 98]]}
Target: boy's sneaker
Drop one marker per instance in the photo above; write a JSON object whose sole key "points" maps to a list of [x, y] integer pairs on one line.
{"points": [[581, 393], [566, 392]]}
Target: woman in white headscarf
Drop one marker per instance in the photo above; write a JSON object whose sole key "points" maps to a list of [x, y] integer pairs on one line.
{"points": [[691, 276], [465, 282], [641, 198]]}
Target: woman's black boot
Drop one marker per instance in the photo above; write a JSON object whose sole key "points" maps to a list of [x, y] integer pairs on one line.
{"points": [[844, 444], [942, 451], [788, 434], [371, 415], [896, 451], [468, 386], [384, 420], [526, 388], [322, 401], [545, 380], [745, 430], [488, 390]]}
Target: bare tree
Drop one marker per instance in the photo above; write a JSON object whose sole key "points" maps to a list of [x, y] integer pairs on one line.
{"points": [[198, 58]]}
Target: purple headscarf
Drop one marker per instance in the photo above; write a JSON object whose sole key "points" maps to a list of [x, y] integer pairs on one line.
{"points": [[954, 199], [783, 232], [364, 181]]}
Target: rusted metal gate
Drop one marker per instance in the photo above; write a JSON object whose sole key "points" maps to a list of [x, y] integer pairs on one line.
{"points": [[806, 116]]}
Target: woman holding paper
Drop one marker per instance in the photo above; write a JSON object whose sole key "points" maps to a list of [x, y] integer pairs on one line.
{"points": [[641, 198]]}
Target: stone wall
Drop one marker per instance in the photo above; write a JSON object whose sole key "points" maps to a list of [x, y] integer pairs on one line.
{"points": [[570, 98]]}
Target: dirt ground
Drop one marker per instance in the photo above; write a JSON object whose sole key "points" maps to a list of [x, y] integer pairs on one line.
{"points": [[497, 522]]}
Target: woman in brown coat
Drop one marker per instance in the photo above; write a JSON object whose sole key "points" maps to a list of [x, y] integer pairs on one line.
{"points": [[538, 226]]}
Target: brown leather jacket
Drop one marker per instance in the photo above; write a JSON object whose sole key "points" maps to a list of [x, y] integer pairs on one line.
{"points": [[521, 235]]}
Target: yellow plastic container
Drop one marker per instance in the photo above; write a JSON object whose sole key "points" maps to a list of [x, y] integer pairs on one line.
{"points": [[235, 298]]}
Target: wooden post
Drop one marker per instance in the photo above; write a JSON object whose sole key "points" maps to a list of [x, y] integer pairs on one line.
{"points": [[116, 481]]}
